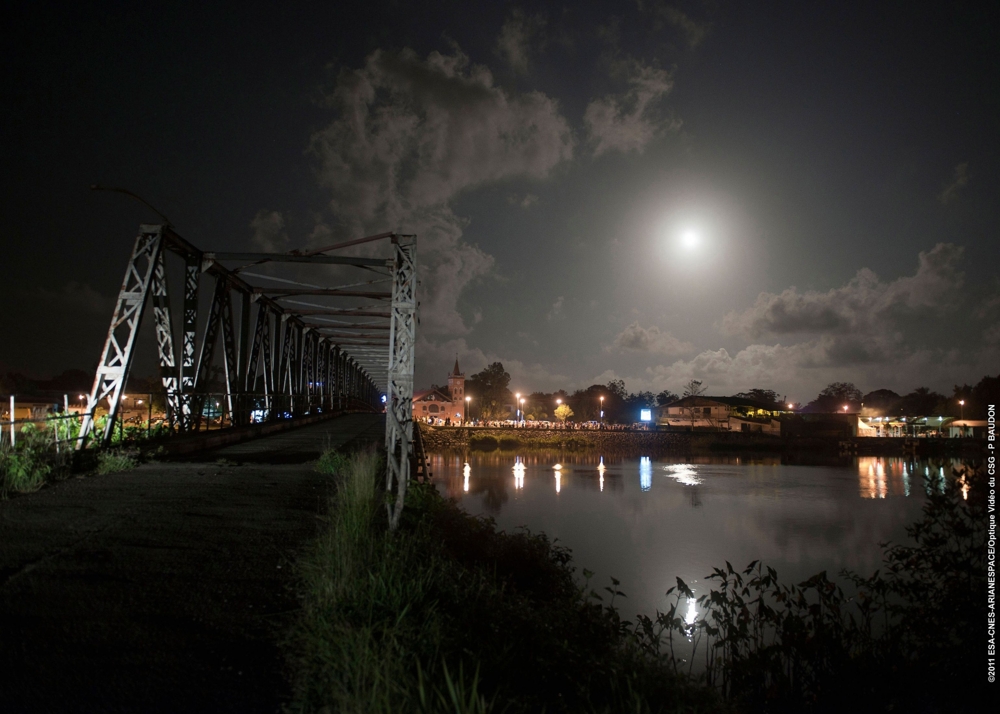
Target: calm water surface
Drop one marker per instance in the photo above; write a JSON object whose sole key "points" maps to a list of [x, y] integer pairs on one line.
{"points": [[647, 521]]}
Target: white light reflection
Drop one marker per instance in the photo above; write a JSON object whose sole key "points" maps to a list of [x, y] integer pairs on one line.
{"points": [[601, 468], [558, 481], [691, 616], [686, 474], [518, 473], [645, 473], [466, 471]]}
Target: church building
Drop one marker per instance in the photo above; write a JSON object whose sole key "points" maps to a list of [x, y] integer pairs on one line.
{"points": [[433, 404]]}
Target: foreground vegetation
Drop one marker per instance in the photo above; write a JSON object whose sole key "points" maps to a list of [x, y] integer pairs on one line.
{"points": [[26, 466], [911, 637], [34, 459], [447, 614]]}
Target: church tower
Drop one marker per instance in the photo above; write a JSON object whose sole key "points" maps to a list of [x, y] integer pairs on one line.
{"points": [[456, 385]]}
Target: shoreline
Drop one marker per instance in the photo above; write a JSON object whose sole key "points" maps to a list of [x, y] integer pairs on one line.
{"points": [[441, 438]]}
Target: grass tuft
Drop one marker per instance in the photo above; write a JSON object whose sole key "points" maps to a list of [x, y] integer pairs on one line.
{"points": [[331, 462], [109, 462]]}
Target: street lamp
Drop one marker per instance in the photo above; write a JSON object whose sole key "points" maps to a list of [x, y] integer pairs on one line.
{"points": [[845, 408], [961, 404], [468, 409], [522, 411], [602, 411]]}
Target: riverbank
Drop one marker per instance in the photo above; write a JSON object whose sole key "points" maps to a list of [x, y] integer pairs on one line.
{"points": [[457, 438], [449, 614]]}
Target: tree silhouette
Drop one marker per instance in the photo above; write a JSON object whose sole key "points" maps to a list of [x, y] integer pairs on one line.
{"points": [[489, 388], [694, 388]]}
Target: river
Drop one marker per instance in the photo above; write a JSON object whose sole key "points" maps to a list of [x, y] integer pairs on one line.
{"points": [[647, 521]]}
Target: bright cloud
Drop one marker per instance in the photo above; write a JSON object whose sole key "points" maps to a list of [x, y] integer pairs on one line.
{"points": [[411, 135], [629, 121]]}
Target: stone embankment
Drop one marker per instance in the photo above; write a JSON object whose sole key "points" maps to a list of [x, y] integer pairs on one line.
{"points": [[489, 438]]}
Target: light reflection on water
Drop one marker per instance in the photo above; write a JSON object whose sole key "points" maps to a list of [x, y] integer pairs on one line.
{"points": [[648, 520]]}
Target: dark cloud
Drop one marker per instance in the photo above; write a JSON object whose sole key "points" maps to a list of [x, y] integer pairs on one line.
{"points": [[693, 30], [865, 306], [959, 180], [636, 338], [519, 37], [269, 234]]}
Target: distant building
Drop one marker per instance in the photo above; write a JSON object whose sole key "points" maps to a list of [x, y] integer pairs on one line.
{"points": [[968, 428], [717, 414], [434, 404]]}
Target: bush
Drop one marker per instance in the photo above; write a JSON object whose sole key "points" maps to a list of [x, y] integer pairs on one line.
{"points": [[483, 443], [26, 467]]}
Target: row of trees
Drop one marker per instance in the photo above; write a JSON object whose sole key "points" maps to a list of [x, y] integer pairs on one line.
{"points": [[490, 390], [922, 401]]}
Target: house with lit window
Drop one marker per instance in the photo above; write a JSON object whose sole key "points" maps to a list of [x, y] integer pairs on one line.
{"points": [[439, 404], [717, 414]]}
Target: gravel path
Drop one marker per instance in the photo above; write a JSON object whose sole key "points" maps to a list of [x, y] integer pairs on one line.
{"points": [[165, 588]]}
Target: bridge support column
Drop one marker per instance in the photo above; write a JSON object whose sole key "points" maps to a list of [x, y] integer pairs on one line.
{"points": [[399, 411]]}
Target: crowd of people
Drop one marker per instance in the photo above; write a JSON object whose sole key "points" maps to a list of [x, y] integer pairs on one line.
{"points": [[534, 424]]}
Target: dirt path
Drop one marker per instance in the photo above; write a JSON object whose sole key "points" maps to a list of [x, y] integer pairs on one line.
{"points": [[165, 588]]}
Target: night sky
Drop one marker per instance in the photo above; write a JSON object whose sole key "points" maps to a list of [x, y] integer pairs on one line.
{"points": [[774, 195]]}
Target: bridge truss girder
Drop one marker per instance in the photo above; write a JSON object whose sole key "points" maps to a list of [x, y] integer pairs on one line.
{"points": [[301, 369]]}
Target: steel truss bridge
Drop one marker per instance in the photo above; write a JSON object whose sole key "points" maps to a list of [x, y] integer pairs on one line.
{"points": [[348, 346]]}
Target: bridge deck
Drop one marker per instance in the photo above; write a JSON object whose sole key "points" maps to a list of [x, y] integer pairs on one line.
{"points": [[164, 588]]}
